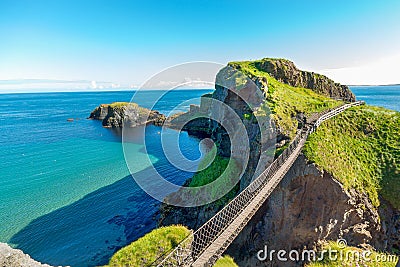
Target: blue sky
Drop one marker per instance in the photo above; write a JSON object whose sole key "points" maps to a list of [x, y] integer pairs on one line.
{"points": [[126, 42]]}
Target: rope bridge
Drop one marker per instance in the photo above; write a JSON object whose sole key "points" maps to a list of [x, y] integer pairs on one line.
{"points": [[204, 246]]}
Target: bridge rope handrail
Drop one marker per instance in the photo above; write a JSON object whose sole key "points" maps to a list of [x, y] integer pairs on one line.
{"points": [[197, 242]]}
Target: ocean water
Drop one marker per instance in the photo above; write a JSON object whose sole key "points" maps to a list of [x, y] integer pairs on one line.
{"points": [[383, 96], [66, 196]]}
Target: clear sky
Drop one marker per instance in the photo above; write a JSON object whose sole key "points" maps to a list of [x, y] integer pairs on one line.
{"points": [[125, 42]]}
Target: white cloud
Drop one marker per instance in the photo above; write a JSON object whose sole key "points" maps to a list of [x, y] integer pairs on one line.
{"points": [[380, 72], [45, 85], [93, 84]]}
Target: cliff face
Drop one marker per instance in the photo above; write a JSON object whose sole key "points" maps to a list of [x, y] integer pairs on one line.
{"points": [[121, 114], [196, 216], [286, 72], [193, 217], [309, 206]]}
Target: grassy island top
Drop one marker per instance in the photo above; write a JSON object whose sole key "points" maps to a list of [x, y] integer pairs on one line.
{"points": [[286, 101], [119, 105]]}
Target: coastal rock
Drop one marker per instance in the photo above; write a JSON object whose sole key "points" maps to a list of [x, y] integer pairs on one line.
{"points": [[124, 114], [195, 121], [309, 206], [286, 71], [10, 257]]}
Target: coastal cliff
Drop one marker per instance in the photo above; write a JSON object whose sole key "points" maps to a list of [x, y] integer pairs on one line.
{"points": [[317, 200], [308, 207]]}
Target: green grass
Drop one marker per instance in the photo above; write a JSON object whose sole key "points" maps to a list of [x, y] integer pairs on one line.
{"points": [[353, 257], [286, 101], [368, 162], [148, 248], [225, 261], [211, 167], [218, 167], [120, 104], [361, 148], [280, 150]]}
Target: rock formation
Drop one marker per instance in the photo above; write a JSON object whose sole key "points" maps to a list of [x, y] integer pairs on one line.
{"points": [[124, 114], [10, 257], [309, 206], [286, 72]]}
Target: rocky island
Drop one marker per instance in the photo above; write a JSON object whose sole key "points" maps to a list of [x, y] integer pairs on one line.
{"points": [[125, 114]]}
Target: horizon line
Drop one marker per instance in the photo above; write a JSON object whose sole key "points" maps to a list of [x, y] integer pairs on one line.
{"points": [[101, 91]]}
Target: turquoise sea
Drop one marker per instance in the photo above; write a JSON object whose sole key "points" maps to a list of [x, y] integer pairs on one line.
{"points": [[66, 196]]}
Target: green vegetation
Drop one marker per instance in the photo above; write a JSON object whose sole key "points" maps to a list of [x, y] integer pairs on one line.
{"points": [[225, 261], [148, 248], [286, 101], [153, 245], [361, 148], [280, 150], [120, 104], [353, 257], [247, 116], [212, 167]]}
